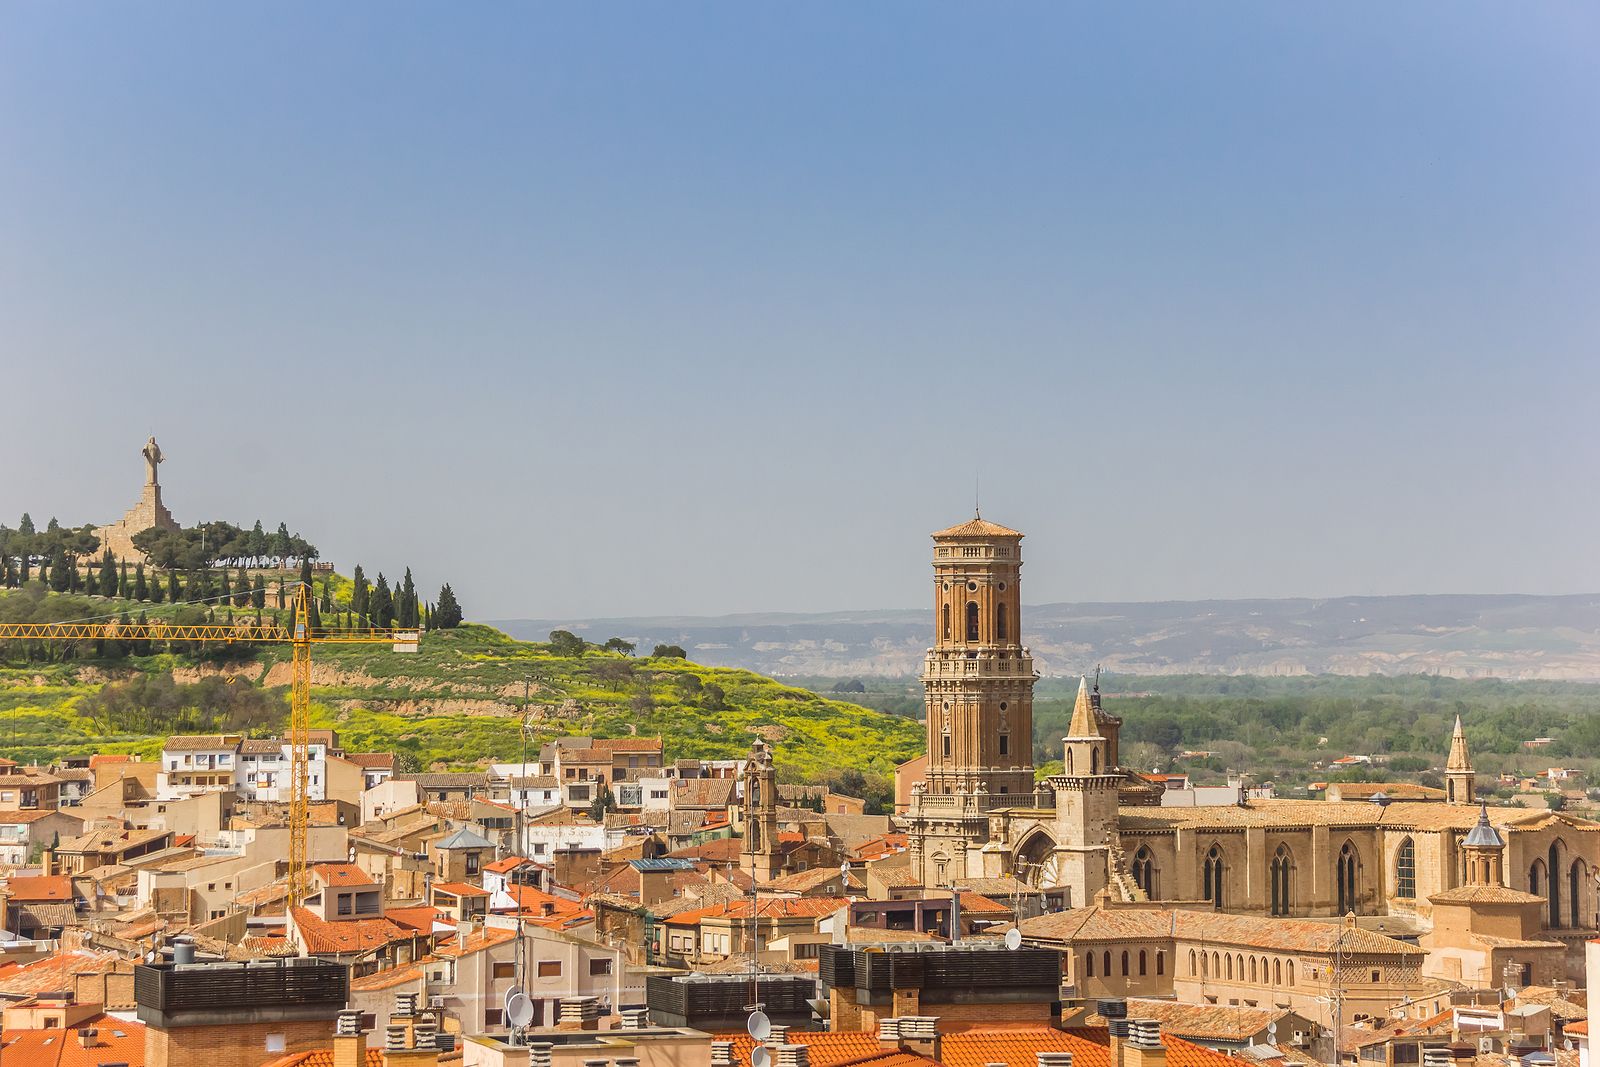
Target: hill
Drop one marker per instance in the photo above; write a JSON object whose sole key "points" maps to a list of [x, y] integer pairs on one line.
{"points": [[1461, 636], [453, 704]]}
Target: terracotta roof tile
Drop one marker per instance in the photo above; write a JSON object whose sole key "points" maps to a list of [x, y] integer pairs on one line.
{"points": [[42, 887], [826, 1048], [351, 935], [977, 527], [115, 1041]]}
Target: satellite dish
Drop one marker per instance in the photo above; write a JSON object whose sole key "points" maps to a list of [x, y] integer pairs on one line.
{"points": [[519, 1010], [514, 991], [760, 1026], [844, 871], [1013, 938], [759, 1056]]}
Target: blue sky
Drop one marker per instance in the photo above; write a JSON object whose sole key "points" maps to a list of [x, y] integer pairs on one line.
{"points": [[622, 309]]}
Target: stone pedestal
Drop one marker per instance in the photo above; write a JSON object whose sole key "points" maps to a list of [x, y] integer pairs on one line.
{"points": [[148, 513]]}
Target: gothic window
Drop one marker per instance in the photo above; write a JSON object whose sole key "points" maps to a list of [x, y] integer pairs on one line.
{"points": [[1227, 962], [1405, 871], [1214, 872], [1282, 865], [1094, 761], [972, 620], [1144, 871], [1277, 972], [1576, 881], [1161, 962], [1069, 761], [1535, 877], [1000, 622], [1555, 883], [1105, 958], [1288, 971], [1192, 968], [1088, 964], [1141, 963], [1252, 969], [1345, 878], [1124, 963], [947, 622]]}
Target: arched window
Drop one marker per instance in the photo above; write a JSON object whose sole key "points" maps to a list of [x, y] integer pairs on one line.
{"points": [[1277, 972], [972, 620], [1213, 876], [1088, 964], [1240, 959], [1141, 963], [1252, 968], [1288, 971], [1069, 761], [1405, 871], [1105, 958], [1281, 865], [1161, 962], [1000, 622], [1124, 963], [947, 622], [1144, 871], [1345, 878], [1577, 880], [1216, 965], [1227, 963], [1555, 883], [1192, 968], [1094, 761]]}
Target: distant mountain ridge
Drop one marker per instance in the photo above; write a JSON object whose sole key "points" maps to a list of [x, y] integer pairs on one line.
{"points": [[1510, 636]]}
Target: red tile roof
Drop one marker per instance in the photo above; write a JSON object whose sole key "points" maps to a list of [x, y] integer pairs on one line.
{"points": [[352, 935], [115, 1041], [40, 888], [320, 1057], [341, 874], [827, 1048], [459, 889], [1020, 1048]]}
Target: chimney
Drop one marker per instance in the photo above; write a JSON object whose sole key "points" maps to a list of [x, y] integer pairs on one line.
{"points": [[1143, 1047], [792, 1056], [626, 1061], [1115, 1012], [578, 1013], [635, 1018], [539, 1054], [88, 1037], [349, 1043], [779, 1035], [182, 951], [1436, 1056], [889, 1032], [1047, 1058], [721, 1054], [547, 908], [920, 1034]]}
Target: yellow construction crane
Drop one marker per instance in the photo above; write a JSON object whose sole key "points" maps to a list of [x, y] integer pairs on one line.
{"points": [[299, 639]]}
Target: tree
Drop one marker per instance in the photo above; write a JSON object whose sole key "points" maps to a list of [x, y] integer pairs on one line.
{"points": [[1555, 801], [241, 595], [256, 543], [712, 698], [108, 574], [669, 652], [602, 803], [382, 604], [174, 590], [446, 614], [854, 685], [61, 570], [258, 593], [567, 643], [282, 544], [327, 595], [617, 644], [406, 611], [124, 590], [155, 596], [689, 686], [25, 527]]}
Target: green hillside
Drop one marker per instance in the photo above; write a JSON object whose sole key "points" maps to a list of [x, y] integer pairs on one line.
{"points": [[454, 704]]}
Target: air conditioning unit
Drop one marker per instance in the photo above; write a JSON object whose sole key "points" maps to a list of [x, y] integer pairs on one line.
{"points": [[1302, 1038], [436, 1001], [1485, 1045]]}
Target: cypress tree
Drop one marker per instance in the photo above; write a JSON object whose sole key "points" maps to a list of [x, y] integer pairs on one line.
{"points": [[226, 592], [141, 591], [258, 595], [242, 597], [108, 574], [174, 589], [407, 610], [44, 570], [382, 604], [124, 590], [91, 584], [447, 612], [359, 596], [155, 589], [61, 571]]}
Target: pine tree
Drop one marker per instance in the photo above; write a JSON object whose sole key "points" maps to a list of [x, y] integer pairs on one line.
{"points": [[141, 591], [108, 574], [446, 613], [258, 595], [25, 527]]}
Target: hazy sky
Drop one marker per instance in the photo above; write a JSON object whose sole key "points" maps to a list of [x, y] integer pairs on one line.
{"points": [[693, 308]]}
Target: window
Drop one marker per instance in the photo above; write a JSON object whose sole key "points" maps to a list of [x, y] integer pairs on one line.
{"points": [[1345, 874], [1405, 871], [1124, 963], [1161, 962], [1282, 865], [1005, 744], [1214, 872], [947, 622], [494, 1016], [549, 969], [972, 620], [1088, 964], [505, 970], [1377, 976], [1554, 891], [1105, 958], [947, 746], [1141, 963], [472, 863], [600, 966], [1000, 622], [1144, 871]]}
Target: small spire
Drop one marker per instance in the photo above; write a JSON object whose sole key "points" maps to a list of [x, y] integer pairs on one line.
{"points": [[1084, 723], [1460, 758]]}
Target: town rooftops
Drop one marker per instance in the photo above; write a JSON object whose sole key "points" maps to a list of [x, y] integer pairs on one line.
{"points": [[14, 818], [1288, 935], [39, 888], [459, 889], [261, 746], [111, 839], [372, 761], [341, 874], [654, 866]]}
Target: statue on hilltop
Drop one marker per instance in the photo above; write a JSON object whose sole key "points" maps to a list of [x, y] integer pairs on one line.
{"points": [[152, 456]]}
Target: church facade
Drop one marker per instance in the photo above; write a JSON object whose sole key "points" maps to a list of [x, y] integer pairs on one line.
{"points": [[1097, 833]]}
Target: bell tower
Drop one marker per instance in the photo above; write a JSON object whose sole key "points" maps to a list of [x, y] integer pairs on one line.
{"points": [[1459, 779], [978, 679]]}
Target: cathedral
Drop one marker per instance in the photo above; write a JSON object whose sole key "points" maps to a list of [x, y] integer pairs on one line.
{"points": [[1097, 833]]}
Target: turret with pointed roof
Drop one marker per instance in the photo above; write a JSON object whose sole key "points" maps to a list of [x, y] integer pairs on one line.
{"points": [[1459, 779]]}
